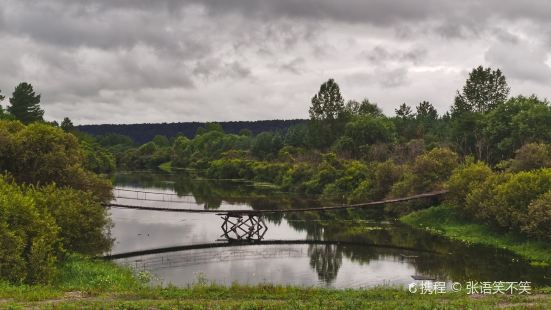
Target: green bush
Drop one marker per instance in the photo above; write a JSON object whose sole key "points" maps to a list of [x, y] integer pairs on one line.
{"points": [[531, 156], [511, 198], [294, 178], [538, 219], [432, 169], [269, 172], [466, 178], [479, 202], [505, 199], [43, 154], [81, 218], [97, 158], [29, 238]]}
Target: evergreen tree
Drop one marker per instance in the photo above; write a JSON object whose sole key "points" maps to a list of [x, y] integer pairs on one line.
{"points": [[426, 111], [67, 125], [25, 104], [404, 111]]}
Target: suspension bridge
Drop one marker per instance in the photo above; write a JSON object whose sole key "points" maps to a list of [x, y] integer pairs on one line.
{"points": [[242, 224]]}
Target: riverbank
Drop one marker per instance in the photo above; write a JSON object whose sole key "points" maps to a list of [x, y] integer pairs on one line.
{"points": [[87, 283], [445, 220]]}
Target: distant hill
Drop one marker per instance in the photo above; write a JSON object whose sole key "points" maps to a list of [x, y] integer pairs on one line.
{"points": [[142, 133]]}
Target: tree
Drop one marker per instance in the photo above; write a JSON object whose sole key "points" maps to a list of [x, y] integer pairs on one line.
{"points": [[404, 112], [355, 108], [368, 130], [405, 122], [25, 104], [426, 111], [328, 103], [266, 143], [327, 114], [67, 125], [520, 120], [484, 90]]}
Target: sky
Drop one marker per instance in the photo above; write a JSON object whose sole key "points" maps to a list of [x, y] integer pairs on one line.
{"points": [[142, 61]]}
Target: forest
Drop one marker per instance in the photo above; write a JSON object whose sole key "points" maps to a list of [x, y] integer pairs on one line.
{"points": [[491, 150], [142, 133]]}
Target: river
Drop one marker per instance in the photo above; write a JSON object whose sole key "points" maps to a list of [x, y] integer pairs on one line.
{"points": [[339, 249]]}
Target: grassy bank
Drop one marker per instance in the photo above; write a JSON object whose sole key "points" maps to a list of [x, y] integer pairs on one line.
{"points": [[445, 220], [85, 283]]}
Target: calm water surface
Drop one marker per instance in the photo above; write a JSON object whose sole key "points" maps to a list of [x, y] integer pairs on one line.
{"points": [[360, 249]]}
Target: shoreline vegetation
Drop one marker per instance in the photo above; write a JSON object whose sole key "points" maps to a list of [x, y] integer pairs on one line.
{"points": [[444, 220]]}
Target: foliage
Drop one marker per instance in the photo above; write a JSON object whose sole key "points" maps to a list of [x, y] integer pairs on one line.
{"points": [[484, 90], [518, 121], [328, 103], [430, 170], [67, 125], [531, 156], [30, 238], [25, 104], [42, 154], [181, 152], [266, 144], [97, 158], [465, 179], [142, 133], [81, 218], [363, 108], [447, 221], [505, 200], [367, 131], [327, 114]]}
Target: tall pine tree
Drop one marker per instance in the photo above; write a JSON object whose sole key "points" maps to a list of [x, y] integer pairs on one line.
{"points": [[25, 104]]}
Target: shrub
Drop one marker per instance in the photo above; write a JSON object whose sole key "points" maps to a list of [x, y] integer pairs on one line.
{"points": [[29, 238], [464, 179], [295, 177], [269, 172], [538, 219], [83, 220], [531, 156], [511, 198], [431, 169], [42, 154]]}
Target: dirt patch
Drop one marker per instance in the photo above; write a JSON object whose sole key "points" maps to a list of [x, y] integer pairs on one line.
{"points": [[75, 295]]}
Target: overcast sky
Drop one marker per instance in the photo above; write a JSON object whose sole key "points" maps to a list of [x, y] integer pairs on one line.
{"points": [[133, 61]]}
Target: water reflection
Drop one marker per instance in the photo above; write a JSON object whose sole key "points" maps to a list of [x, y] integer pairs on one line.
{"points": [[400, 253], [326, 260]]}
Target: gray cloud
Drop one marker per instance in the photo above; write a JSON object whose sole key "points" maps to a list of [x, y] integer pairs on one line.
{"points": [[169, 60]]}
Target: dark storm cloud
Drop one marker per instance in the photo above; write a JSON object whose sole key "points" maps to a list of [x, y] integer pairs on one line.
{"points": [[213, 59]]}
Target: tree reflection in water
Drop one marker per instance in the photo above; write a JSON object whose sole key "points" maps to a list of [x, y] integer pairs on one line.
{"points": [[326, 260]]}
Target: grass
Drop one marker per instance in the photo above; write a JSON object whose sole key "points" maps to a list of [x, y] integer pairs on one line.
{"points": [[95, 284], [445, 220]]}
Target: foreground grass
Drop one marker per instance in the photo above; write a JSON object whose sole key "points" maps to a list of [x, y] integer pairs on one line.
{"points": [[445, 220], [93, 284]]}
